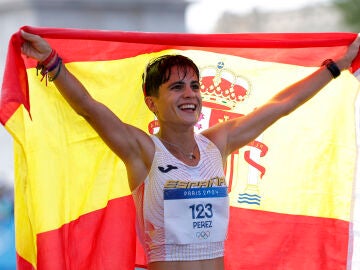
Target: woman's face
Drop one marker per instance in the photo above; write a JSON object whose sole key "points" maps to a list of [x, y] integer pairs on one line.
{"points": [[179, 99]]}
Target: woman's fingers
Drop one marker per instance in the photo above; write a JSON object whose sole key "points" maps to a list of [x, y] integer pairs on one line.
{"points": [[35, 46]]}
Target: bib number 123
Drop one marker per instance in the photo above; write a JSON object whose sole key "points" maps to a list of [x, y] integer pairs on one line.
{"points": [[199, 211]]}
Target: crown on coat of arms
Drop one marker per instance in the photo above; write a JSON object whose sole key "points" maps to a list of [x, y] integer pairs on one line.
{"points": [[221, 88]]}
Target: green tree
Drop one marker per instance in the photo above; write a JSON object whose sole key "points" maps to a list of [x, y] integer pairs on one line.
{"points": [[351, 12]]}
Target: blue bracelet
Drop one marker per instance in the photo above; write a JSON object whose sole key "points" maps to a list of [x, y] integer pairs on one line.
{"points": [[51, 79]]}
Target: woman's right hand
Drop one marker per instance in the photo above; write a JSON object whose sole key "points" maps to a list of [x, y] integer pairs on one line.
{"points": [[35, 46], [350, 55]]}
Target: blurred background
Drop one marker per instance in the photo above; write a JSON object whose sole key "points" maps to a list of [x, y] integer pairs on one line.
{"points": [[207, 16]]}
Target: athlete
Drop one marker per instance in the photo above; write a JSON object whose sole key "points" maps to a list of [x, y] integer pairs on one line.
{"points": [[177, 176]]}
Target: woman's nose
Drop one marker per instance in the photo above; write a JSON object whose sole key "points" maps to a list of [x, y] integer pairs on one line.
{"points": [[189, 91]]}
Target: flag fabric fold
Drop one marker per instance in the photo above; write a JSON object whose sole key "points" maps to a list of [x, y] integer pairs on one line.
{"points": [[293, 191]]}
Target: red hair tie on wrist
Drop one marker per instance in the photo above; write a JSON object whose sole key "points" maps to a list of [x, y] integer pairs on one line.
{"points": [[49, 58]]}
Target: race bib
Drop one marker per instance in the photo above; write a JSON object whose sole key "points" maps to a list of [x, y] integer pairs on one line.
{"points": [[196, 215]]}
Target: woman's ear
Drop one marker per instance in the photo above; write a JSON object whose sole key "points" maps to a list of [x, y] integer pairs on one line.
{"points": [[151, 104]]}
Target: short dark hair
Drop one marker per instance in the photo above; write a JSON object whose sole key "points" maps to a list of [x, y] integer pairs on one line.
{"points": [[158, 71]]}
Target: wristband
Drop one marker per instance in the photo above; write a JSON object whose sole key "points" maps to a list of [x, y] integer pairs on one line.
{"points": [[332, 67], [51, 79], [56, 62], [49, 58]]}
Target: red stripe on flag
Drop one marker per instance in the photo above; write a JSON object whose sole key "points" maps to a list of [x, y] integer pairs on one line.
{"points": [[275, 47], [261, 240], [14, 90], [22, 264], [248, 40], [103, 239]]}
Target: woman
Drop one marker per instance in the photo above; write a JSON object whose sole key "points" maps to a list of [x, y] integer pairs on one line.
{"points": [[177, 176]]}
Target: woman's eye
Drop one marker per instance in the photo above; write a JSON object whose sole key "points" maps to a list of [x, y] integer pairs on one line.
{"points": [[195, 87], [177, 87]]}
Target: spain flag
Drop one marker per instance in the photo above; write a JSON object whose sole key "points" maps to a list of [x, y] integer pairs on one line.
{"points": [[293, 191]]}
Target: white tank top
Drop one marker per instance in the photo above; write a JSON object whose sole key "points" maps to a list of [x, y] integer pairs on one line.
{"points": [[182, 210]]}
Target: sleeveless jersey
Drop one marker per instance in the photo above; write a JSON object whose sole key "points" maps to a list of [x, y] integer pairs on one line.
{"points": [[182, 211]]}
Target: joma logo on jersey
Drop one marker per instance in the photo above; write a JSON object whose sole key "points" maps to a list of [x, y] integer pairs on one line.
{"points": [[214, 182]]}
